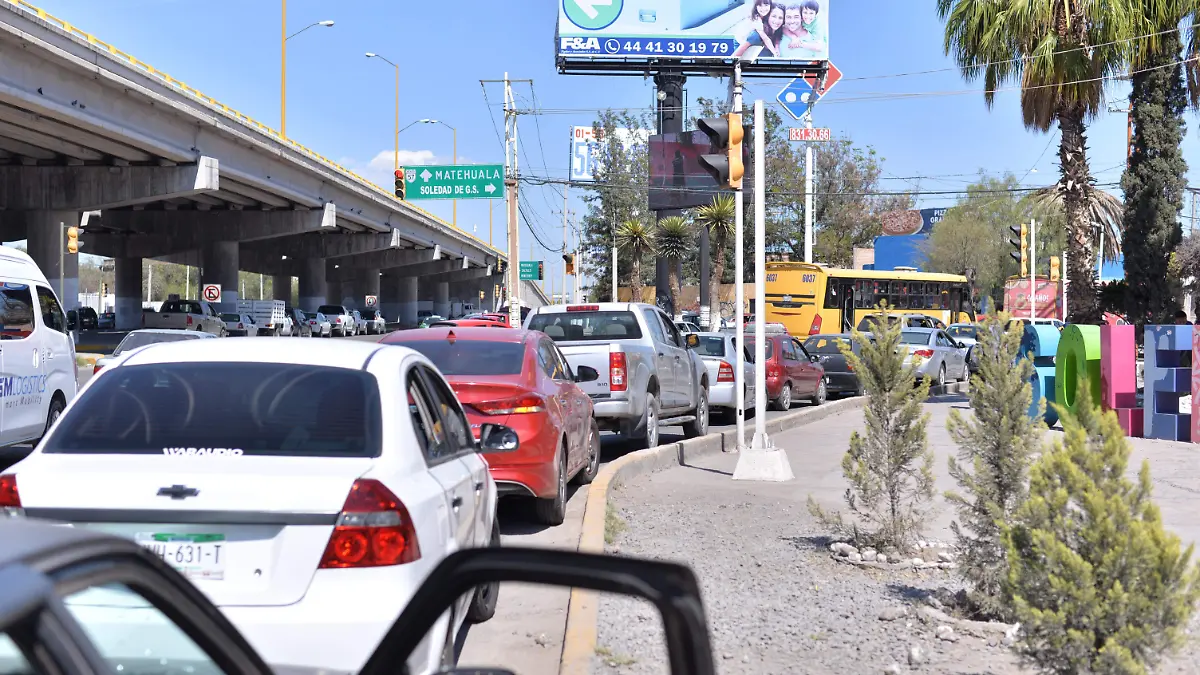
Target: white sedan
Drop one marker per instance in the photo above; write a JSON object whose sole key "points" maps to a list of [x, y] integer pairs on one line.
{"points": [[269, 473], [319, 325]]}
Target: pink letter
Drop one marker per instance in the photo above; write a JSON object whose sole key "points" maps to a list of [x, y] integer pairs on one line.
{"points": [[1118, 376]]}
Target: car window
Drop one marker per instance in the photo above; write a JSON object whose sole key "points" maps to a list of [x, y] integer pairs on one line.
{"points": [[230, 317], [655, 326], [429, 432], [587, 325], [914, 337], [711, 345], [789, 350], [556, 367], [470, 357], [225, 408], [133, 635], [135, 340], [670, 330], [16, 311], [801, 352], [825, 344], [569, 373], [449, 413], [52, 314], [331, 310], [12, 660]]}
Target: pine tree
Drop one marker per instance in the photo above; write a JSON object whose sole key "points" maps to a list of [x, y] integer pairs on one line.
{"points": [[1096, 582], [889, 467], [995, 445], [1154, 182]]}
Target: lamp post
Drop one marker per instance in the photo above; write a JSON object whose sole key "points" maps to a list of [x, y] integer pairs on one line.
{"points": [[428, 121], [283, 63], [373, 55]]}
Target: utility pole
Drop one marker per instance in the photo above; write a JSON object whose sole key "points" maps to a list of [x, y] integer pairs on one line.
{"points": [[566, 247], [615, 295], [1032, 269], [739, 368], [808, 189], [510, 194]]}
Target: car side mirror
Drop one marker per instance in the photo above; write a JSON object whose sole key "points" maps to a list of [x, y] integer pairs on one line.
{"points": [[692, 340], [497, 438], [814, 358], [586, 374]]}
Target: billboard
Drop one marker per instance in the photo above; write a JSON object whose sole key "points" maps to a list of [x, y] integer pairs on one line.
{"points": [[758, 32], [585, 149]]}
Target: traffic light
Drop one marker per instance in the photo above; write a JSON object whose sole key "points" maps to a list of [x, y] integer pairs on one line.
{"points": [[1055, 270], [569, 259], [501, 266], [400, 183], [541, 271], [103, 290], [1021, 254], [725, 135], [73, 242]]}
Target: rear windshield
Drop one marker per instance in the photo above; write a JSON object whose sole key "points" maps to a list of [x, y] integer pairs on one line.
{"points": [[769, 346], [368, 314], [331, 310], [711, 345], [575, 326], [224, 409], [912, 337], [471, 357], [230, 317], [135, 340], [825, 345], [961, 332], [871, 319], [181, 307]]}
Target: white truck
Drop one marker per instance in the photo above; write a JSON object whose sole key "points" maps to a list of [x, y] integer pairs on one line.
{"points": [[186, 315], [269, 315]]}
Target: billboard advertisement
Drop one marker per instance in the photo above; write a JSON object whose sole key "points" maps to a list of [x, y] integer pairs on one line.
{"points": [[768, 32], [585, 149], [1048, 299]]}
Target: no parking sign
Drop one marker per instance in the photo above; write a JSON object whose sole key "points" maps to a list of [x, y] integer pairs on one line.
{"points": [[211, 292], [372, 300]]}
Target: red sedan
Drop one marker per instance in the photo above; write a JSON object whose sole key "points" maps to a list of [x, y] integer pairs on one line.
{"points": [[792, 372], [518, 378]]}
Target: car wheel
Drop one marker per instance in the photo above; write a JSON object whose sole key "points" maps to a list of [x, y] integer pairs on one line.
{"points": [[553, 510], [819, 397], [223, 333], [941, 380], [784, 402], [593, 466], [483, 603], [699, 426], [650, 439], [56, 409]]}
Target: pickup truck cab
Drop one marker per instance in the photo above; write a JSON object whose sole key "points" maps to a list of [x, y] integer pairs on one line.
{"points": [[341, 321], [187, 315], [650, 375]]}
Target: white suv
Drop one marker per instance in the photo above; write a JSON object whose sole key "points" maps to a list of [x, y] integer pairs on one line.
{"points": [[340, 319]]}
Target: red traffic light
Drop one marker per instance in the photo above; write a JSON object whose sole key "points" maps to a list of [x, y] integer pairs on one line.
{"points": [[399, 173]]}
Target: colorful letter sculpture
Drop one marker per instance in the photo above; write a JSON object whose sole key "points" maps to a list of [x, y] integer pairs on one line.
{"points": [[1077, 363], [1041, 344], [1166, 382], [1118, 377], [1195, 386]]}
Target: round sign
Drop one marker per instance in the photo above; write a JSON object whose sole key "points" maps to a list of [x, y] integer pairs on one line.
{"points": [[212, 292], [372, 300], [901, 223], [593, 14]]}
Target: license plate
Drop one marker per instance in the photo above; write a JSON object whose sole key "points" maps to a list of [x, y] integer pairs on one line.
{"points": [[196, 556]]}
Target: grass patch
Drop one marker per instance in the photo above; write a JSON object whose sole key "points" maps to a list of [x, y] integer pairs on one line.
{"points": [[614, 659], [614, 524]]}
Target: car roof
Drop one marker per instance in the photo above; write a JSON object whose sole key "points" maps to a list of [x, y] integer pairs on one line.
{"points": [[600, 307], [338, 354], [170, 331], [481, 333], [846, 336], [920, 329]]}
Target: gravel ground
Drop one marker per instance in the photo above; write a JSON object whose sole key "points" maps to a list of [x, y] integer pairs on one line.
{"points": [[776, 602]]}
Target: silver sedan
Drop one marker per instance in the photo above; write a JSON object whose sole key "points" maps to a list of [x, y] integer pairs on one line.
{"points": [[936, 355], [718, 353]]}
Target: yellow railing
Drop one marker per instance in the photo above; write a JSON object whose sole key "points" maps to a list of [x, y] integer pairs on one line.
{"points": [[245, 119]]}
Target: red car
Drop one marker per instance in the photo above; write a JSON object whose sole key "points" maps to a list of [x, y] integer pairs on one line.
{"points": [[792, 372], [518, 378]]}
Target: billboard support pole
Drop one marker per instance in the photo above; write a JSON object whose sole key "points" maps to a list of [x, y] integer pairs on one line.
{"points": [[670, 121], [808, 191], [739, 304]]}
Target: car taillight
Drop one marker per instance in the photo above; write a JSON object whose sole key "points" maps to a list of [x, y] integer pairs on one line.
{"points": [[189, 319], [616, 372], [10, 499], [725, 372], [528, 403], [241, 327], [924, 353], [373, 530], [97, 368], [773, 369], [816, 325]]}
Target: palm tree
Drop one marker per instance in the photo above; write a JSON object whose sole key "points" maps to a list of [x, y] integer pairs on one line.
{"points": [[674, 239], [718, 217], [635, 239], [1060, 52]]}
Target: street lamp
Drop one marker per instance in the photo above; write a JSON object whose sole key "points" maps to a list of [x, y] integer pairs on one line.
{"points": [[373, 55], [283, 63], [428, 121]]}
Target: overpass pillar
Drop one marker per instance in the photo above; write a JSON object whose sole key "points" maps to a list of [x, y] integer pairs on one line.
{"points": [[333, 293], [441, 298], [281, 287], [407, 314], [366, 282], [128, 289], [46, 238], [219, 265], [313, 288]]}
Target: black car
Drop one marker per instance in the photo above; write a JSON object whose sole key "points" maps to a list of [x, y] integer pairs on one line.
{"points": [[840, 378]]}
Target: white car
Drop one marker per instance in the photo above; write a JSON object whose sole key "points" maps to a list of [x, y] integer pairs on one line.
{"points": [[319, 325], [148, 336], [340, 318], [360, 323], [239, 324], [305, 512]]}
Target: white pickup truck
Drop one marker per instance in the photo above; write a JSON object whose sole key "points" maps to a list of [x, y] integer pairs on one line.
{"points": [[186, 315], [650, 375], [268, 315]]}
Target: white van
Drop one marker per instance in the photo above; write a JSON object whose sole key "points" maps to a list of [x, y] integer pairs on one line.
{"points": [[37, 356]]}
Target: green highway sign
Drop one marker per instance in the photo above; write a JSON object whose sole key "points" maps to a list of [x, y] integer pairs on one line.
{"points": [[531, 270], [464, 181]]}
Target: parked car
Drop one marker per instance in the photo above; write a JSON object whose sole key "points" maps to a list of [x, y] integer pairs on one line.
{"points": [[239, 324], [84, 318], [147, 336], [360, 324], [719, 353], [187, 315], [376, 324], [968, 335], [428, 319], [936, 355], [909, 320], [840, 378], [107, 321], [792, 372], [341, 321], [319, 325], [687, 327], [520, 379], [300, 327], [335, 494], [650, 375]]}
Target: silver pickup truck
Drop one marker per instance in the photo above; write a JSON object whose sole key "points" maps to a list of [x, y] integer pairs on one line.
{"points": [[650, 377]]}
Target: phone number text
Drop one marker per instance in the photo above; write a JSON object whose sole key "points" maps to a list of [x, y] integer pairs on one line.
{"points": [[652, 47]]}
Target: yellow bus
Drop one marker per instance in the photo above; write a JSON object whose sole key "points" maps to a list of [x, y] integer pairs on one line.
{"points": [[809, 298]]}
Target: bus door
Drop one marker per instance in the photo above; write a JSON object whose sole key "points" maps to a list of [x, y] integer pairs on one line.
{"points": [[847, 299], [955, 304]]}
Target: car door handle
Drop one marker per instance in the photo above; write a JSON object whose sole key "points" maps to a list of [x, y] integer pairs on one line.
{"points": [[457, 503], [479, 486], [661, 354]]}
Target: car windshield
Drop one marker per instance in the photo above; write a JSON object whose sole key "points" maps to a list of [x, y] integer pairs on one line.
{"points": [[368, 314], [958, 332], [711, 345], [769, 346], [869, 320], [471, 357], [181, 307], [224, 409], [135, 340], [825, 344], [912, 337], [576, 326], [330, 310]]}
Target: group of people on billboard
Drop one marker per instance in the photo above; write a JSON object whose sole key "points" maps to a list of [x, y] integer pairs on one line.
{"points": [[789, 30]]}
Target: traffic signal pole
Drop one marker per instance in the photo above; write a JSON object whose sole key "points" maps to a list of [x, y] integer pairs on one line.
{"points": [[1032, 270], [739, 371]]}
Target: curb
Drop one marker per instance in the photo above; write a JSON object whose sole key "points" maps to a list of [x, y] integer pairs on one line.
{"points": [[579, 639]]}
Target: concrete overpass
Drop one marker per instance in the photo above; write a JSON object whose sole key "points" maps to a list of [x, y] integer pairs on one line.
{"points": [[179, 176]]}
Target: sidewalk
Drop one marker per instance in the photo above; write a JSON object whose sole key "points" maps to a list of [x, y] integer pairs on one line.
{"points": [[777, 603]]}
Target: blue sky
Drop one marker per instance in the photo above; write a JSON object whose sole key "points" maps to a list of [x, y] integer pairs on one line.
{"points": [[341, 104]]}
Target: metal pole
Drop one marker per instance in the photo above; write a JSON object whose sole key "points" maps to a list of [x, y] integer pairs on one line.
{"points": [[1100, 257], [808, 191], [615, 295], [739, 309], [282, 71], [510, 184], [1032, 269], [62, 264], [565, 243], [761, 441], [396, 162], [491, 203], [454, 215]]}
